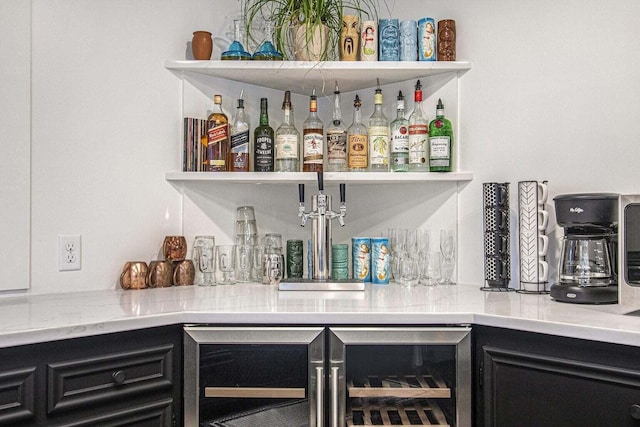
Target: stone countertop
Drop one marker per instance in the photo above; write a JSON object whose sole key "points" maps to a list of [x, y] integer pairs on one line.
{"points": [[42, 318]]}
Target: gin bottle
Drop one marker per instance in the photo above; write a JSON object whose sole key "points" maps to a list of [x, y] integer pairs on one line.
{"points": [[418, 135], [263, 141], [440, 141], [238, 158], [399, 139], [337, 138], [378, 136], [287, 140], [312, 136], [357, 140]]}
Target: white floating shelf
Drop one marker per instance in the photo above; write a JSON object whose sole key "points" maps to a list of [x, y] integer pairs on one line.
{"points": [[311, 177], [301, 76]]}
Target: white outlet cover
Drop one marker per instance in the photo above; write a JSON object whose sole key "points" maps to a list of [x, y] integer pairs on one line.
{"points": [[69, 252]]}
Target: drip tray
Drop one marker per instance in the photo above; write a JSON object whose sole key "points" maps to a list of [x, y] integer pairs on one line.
{"points": [[320, 285]]}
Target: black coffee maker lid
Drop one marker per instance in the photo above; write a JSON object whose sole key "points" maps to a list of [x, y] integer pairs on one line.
{"points": [[587, 210]]}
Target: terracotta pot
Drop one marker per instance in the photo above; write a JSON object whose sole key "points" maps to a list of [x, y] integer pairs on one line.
{"points": [[310, 47], [202, 45]]}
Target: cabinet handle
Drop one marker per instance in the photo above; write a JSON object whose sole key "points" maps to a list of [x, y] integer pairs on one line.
{"points": [[319, 393], [334, 396], [118, 377], [634, 411]]}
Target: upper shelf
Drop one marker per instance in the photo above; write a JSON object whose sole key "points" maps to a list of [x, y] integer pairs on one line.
{"points": [[301, 77], [311, 177]]}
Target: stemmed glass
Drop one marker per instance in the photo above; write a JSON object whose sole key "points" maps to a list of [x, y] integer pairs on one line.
{"points": [[424, 246], [226, 256], [397, 238], [448, 254], [408, 263], [204, 260]]}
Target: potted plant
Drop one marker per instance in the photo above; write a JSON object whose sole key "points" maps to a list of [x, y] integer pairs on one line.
{"points": [[315, 24]]}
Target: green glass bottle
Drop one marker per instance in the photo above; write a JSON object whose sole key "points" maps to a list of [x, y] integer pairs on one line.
{"points": [[440, 142], [263, 137]]}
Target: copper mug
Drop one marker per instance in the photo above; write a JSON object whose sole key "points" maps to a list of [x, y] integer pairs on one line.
{"points": [[134, 275], [184, 273], [174, 248], [160, 274]]}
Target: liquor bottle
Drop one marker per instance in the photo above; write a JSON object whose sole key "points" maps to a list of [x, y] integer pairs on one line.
{"points": [[312, 135], [399, 139], [440, 141], [217, 137], [418, 134], [357, 137], [263, 141], [337, 138], [287, 140], [378, 136], [238, 157]]}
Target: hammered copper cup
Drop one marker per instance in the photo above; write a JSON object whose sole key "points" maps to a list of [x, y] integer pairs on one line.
{"points": [[134, 275], [184, 273], [174, 248], [160, 274]]}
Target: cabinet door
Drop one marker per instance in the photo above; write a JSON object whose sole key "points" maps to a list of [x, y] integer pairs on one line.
{"points": [[545, 381]]}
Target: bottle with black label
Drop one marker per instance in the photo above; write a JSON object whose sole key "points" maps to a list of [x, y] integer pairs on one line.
{"points": [[263, 138], [238, 156]]}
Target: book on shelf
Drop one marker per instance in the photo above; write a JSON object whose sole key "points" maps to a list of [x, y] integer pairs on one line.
{"points": [[195, 144]]}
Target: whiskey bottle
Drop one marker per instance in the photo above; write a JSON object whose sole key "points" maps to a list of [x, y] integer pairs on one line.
{"points": [[399, 139], [378, 136], [287, 140], [418, 134], [263, 141], [440, 141], [238, 158], [312, 136], [357, 140], [217, 137], [337, 138]]}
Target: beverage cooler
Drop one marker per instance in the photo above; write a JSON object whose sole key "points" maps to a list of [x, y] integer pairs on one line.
{"points": [[333, 377]]}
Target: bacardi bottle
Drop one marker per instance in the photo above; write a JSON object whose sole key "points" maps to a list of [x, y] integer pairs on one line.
{"points": [[357, 137], [287, 140], [399, 139], [418, 134], [440, 142]]}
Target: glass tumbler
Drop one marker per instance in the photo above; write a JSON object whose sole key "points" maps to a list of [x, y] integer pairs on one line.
{"points": [[203, 256], [244, 262], [447, 256], [226, 260]]}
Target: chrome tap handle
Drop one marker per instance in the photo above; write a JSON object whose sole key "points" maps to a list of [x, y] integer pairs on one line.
{"points": [[343, 204], [301, 213]]}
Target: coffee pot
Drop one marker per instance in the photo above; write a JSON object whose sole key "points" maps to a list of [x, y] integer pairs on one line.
{"points": [[587, 270]]}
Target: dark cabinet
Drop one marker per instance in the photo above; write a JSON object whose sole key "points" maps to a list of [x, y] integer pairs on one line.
{"points": [[122, 379], [528, 379]]}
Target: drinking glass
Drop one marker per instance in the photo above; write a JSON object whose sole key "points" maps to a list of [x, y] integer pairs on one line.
{"points": [[448, 254], [246, 226], [397, 238], [272, 243], [204, 260], [432, 273], [258, 262], [244, 258], [408, 271], [226, 257], [424, 247]]}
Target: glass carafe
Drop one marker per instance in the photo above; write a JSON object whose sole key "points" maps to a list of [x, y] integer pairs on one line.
{"points": [[585, 261]]}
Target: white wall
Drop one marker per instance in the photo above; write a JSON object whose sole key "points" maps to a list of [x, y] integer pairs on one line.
{"points": [[552, 95]]}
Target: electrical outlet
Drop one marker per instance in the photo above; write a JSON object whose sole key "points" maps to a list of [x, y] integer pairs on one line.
{"points": [[69, 252]]}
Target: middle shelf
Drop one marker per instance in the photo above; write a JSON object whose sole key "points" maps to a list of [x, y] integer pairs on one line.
{"points": [[311, 177]]}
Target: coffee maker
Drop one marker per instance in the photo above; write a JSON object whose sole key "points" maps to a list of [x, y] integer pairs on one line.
{"points": [[588, 261]]}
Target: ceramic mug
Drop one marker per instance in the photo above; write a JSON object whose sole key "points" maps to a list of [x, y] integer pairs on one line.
{"points": [[543, 219], [134, 275], [160, 274]]}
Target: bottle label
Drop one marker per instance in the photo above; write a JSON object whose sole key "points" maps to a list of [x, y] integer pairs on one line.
{"points": [[264, 154], [286, 147], [337, 147], [400, 140], [418, 143], [240, 142], [358, 156], [217, 137], [379, 145], [440, 151], [313, 148]]}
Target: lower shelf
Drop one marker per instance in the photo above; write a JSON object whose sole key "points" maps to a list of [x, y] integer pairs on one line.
{"points": [[424, 413]]}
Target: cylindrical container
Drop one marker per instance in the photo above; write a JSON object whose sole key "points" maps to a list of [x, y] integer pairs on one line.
{"points": [[426, 39], [339, 261], [273, 269], [294, 258], [389, 40], [408, 40], [361, 258], [369, 41], [202, 45], [380, 260], [349, 38], [447, 40]]}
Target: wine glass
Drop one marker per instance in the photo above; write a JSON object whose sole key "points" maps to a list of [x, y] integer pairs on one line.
{"points": [[204, 260], [226, 257], [448, 254], [423, 249]]}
